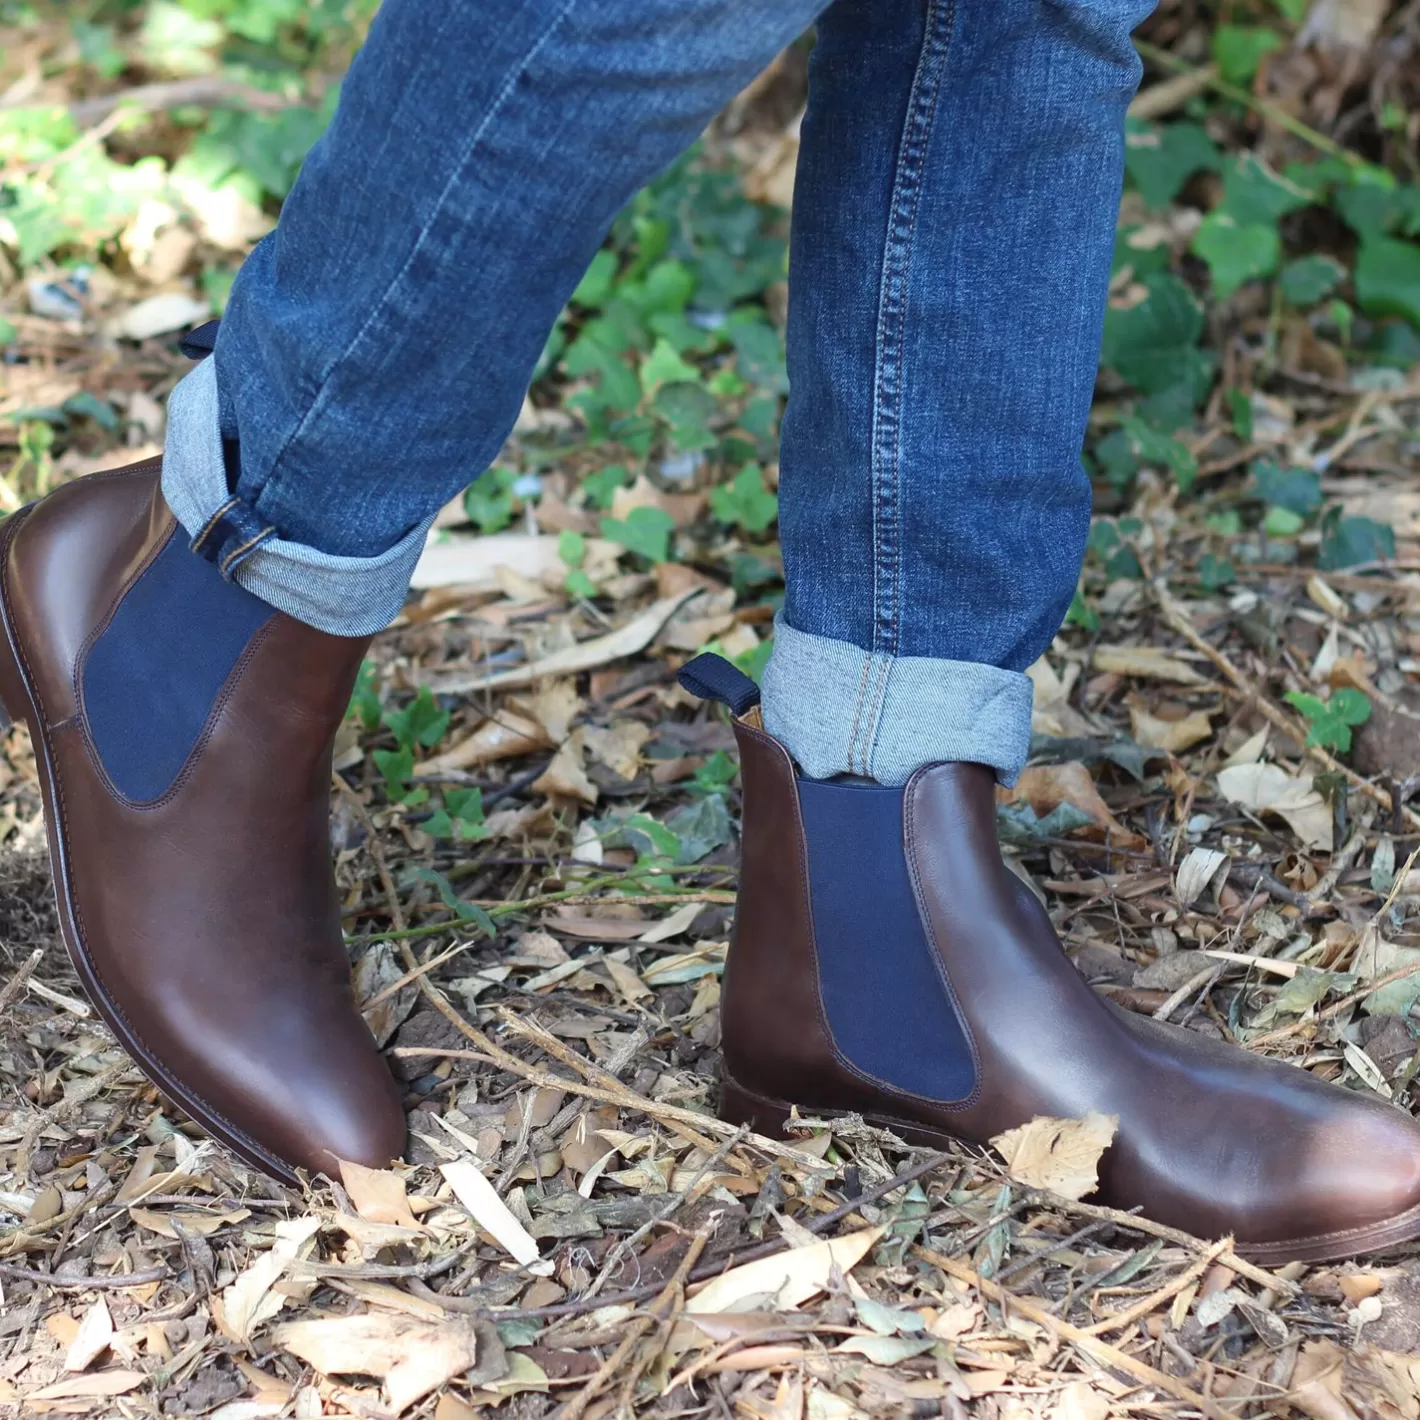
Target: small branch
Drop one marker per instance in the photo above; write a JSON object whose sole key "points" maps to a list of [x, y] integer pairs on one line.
{"points": [[84, 1284], [205, 91], [1261, 107]]}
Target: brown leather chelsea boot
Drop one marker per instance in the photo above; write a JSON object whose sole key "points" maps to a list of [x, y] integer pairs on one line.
{"points": [[886, 962], [182, 732]]}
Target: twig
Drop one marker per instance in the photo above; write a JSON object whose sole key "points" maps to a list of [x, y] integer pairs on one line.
{"points": [[1182, 623], [713, 1266], [1186, 990], [1170, 1289], [1270, 1280], [12, 987], [84, 1284], [663, 1307], [1266, 110], [205, 91], [659, 1215], [1100, 1350]]}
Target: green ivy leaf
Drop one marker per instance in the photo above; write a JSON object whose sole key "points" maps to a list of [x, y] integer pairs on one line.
{"points": [[1153, 344], [489, 501], [1161, 160], [464, 911], [396, 766], [746, 501], [571, 547], [663, 366], [1330, 721], [644, 531], [1388, 278], [1282, 522], [1298, 490], [1348, 542], [1239, 50], [1307, 280], [1215, 572], [1081, 613], [1234, 253], [600, 487], [420, 723], [594, 289], [365, 699]]}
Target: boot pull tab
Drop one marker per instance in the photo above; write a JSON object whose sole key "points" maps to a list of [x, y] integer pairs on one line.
{"points": [[198, 344], [712, 677]]}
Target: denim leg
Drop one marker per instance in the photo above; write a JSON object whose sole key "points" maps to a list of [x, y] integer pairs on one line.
{"points": [[954, 217], [378, 343]]}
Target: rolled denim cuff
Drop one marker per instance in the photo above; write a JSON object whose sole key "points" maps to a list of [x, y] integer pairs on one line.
{"points": [[344, 596], [841, 710]]}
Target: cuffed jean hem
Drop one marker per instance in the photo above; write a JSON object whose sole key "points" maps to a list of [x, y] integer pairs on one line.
{"points": [[344, 596], [841, 710]]}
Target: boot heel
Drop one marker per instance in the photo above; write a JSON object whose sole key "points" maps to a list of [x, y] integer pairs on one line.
{"points": [[741, 1106]]}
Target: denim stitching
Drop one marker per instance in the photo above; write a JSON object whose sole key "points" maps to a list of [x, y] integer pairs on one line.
{"points": [[379, 306], [243, 550], [206, 531], [891, 332]]}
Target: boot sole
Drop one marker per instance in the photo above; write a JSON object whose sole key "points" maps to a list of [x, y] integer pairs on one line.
{"points": [[19, 703], [768, 1117]]}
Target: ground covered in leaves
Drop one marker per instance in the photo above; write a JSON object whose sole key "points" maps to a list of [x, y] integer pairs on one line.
{"points": [[536, 830]]}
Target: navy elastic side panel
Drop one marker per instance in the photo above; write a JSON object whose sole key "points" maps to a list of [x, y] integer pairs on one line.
{"points": [[887, 1005], [151, 678]]}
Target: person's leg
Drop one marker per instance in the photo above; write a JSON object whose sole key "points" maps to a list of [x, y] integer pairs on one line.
{"points": [[379, 343], [953, 222], [949, 269]]}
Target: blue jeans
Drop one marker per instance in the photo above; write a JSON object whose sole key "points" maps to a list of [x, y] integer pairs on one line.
{"points": [[953, 223]]}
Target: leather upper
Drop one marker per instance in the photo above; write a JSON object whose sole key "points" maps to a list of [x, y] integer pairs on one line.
{"points": [[1211, 1138], [205, 921]]}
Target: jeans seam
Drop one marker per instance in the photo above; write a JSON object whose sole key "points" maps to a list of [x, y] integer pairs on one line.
{"points": [[891, 326], [870, 729], [510, 83]]}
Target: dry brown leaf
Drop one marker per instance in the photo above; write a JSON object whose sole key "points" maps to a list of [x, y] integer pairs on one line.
{"points": [[99, 1383], [473, 562], [379, 1195], [92, 1339], [1266, 788], [1047, 786], [250, 1300], [565, 778], [791, 1278], [489, 1211], [411, 1357], [1059, 1154], [1145, 663], [554, 705], [626, 981], [636, 635], [203, 1224], [1080, 1401], [1197, 870], [504, 737], [679, 921], [682, 508], [617, 746], [1172, 736], [1343, 24]]}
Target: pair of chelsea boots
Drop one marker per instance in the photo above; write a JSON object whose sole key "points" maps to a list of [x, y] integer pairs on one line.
{"points": [[884, 960]]}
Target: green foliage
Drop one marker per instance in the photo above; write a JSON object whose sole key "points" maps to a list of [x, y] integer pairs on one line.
{"points": [[420, 725], [1305, 281], [365, 698], [489, 502], [644, 531], [1348, 542], [1298, 490], [1154, 343], [1238, 50], [1215, 572], [459, 817], [1388, 278], [1330, 721], [745, 501], [1161, 159]]}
